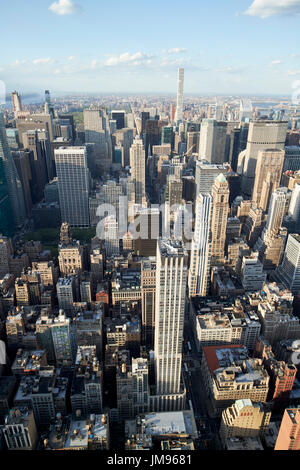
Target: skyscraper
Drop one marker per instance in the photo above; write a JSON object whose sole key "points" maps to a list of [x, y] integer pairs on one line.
{"points": [[267, 176], [294, 207], [137, 164], [179, 105], [38, 164], [16, 102], [220, 194], [171, 277], [206, 174], [167, 135], [270, 243], [151, 136], [212, 141], [73, 185], [198, 280], [65, 289], [96, 127], [48, 106], [119, 117], [140, 385], [262, 135], [207, 140], [111, 235], [276, 212], [9, 176], [289, 270], [192, 142], [148, 279], [245, 110], [6, 215]]}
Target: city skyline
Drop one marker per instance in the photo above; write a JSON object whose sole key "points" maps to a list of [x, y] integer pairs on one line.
{"points": [[150, 240], [127, 59]]}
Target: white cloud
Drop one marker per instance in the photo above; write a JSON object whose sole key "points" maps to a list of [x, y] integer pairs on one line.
{"points": [[230, 69], [94, 63], [43, 60], [267, 8], [71, 58], [127, 58], [276, 62], [175, 50], [65, 7], [293, 72]]}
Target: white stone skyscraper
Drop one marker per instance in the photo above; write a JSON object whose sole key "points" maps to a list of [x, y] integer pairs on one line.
{"points": [[289, 270], [171, 279], [276, 211], [16, 102], [212, 141], [198, 280], [138, 171], [111, 235], [73, 185], [179, 104], [207, 139], [294, 207]]}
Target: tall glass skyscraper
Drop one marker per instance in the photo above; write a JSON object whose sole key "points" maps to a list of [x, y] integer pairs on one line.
{"points": [[12, 196], [6, 215]]}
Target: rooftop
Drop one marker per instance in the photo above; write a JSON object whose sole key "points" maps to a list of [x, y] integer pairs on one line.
{"points": [[175, 422], [223, 356], [171, 247], [28, 360], [244, 443], [83, 431]]}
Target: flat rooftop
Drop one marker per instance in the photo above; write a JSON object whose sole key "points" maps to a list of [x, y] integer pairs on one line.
{"points": [[213, 321], [171, 247], [244, 443], [224, 356], [175, 422]]}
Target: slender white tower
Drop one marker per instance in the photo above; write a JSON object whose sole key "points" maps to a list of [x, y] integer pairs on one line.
{"points": [[198, 280], [178, 115]]}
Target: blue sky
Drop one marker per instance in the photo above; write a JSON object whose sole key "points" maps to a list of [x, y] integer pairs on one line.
{"points": [[225, 46]]}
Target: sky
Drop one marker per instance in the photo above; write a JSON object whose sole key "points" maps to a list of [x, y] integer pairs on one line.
{"points": [[228, 47]]}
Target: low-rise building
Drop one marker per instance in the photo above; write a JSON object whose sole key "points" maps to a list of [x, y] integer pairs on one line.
{"points": [[161, 431], [19, 430], [89, 434], [28, 362], [229, 375], [244, 419]]}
